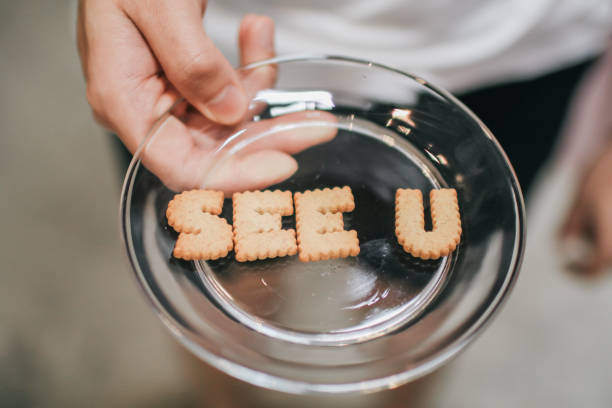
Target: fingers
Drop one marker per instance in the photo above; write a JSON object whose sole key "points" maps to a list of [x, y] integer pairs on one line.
{"points": [[256, 41], [291, 133], [576, 220], [262, 157], [252, 171], [181, 164], [185, 157], [576, 237], [602, 253], [174, 155], [591, 216], [590, 223], [189, 58]]}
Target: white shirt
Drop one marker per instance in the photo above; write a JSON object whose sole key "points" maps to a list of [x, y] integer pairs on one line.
{"points": [[457, 44]]}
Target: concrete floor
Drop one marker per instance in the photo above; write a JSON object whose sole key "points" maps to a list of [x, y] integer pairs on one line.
{"points": [[75, 330], [73, 327]]}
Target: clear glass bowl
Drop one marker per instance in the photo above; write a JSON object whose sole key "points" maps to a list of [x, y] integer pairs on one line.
{"points": [[362, 323]]}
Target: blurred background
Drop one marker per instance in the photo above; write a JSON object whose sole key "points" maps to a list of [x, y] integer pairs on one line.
{"points": [[75, 329]]}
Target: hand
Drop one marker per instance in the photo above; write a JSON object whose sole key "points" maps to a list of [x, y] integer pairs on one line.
{"points": [[591, 214], [140, 57]]}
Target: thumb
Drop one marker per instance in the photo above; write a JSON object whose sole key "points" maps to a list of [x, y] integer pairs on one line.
{"points": [[189, 58]]}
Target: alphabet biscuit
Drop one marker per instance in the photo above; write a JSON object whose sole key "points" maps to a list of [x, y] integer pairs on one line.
{"points": [[410, 223], [320, 227], [202, 234], [258, 232]]}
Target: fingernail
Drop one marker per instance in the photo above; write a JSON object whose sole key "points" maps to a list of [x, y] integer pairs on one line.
{"points": [[227, 107], [265, 168]]}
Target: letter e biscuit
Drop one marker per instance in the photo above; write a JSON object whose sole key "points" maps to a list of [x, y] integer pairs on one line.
{"points": [[320, 227], [258, 232]]}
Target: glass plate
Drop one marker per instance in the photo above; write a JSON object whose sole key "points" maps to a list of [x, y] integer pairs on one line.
{"points": [[359, 323]]}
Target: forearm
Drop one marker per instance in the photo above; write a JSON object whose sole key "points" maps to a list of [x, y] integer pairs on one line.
{"points": [[589, 124]]}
